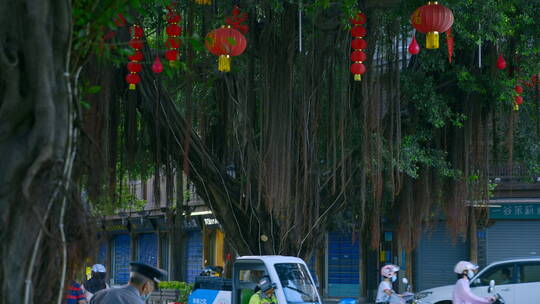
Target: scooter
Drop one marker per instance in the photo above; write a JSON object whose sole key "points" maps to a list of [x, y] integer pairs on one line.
{"points": [[498, 298], [405, 298]]}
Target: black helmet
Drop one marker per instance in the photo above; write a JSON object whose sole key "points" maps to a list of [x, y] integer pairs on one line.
{"points": [[266, 284]]}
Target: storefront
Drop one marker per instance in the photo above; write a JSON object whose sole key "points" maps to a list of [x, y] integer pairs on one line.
{"points": [[513, 231]]}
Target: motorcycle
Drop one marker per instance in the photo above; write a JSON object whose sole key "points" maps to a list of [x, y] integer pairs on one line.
{"points": [[498, 298], [404, 298]]}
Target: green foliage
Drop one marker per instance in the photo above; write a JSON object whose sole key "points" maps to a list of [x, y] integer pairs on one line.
{"points": [[125, 200], [183, 287]]}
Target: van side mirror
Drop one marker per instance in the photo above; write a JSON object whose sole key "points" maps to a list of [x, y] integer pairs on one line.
{"points": [[491, 286]]}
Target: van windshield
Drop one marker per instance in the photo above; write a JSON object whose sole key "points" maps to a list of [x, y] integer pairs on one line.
{"points": [[296, 282]]}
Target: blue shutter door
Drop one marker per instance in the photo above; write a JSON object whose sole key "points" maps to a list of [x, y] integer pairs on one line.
{"points": [[122, 252], [511, 239], [102, 254], [194, 256], [147, 248], [343, 265], [436, 257], [165, 253]]}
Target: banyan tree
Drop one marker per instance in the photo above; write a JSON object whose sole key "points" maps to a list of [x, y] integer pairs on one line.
{"points": [[284, 145]]}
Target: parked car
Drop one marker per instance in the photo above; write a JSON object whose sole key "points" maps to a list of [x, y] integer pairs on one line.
{"points": [[517, 281]]}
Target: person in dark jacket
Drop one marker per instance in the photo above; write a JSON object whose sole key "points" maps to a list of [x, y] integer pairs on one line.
{"points": [[97, 282]]}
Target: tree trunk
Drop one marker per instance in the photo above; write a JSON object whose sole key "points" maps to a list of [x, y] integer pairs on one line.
{"points": [[34, 132]]}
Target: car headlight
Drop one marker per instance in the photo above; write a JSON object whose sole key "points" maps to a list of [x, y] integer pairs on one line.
{"points": [[422, 295]]}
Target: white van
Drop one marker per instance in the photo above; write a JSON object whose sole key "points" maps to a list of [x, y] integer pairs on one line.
{"points": [[517, 281]]}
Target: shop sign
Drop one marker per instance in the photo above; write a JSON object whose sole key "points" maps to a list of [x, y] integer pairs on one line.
{"points": [[515, 211]]}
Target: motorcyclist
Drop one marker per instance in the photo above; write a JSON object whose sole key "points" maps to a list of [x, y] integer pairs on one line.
{"points": [[385, 291], [462, 291]]}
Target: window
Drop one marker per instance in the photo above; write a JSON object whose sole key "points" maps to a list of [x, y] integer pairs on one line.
{"points": [[251, 276], [501, 274], [530, 273], [297, 285]]}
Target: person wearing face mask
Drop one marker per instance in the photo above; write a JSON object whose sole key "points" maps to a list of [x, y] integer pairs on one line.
{"points": [[142, 281], [385, 291], [462, 291]]}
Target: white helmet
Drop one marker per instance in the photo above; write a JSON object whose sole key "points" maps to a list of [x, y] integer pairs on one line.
{"points": [[98, 268], [388, 271], [461, 266]]}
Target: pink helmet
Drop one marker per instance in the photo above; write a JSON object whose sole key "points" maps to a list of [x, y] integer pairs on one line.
{"points": [[388, 271]]}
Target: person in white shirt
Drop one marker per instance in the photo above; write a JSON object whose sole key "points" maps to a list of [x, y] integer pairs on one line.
{"points": [[385, 291]]}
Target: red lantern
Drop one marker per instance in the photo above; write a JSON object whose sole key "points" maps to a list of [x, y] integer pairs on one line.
{"points": [[358, 68], [432, 19], [358, 44], [414, 48], [518, 100], [134, 67], [157, 67], [225, 42], [358, 31], [136, 31], [136, 44], [132, 79], [501, 63], [518, 89], [174, 30], [137, 56], [358, 56], [173, 43], [359, 19], [171, 55]]}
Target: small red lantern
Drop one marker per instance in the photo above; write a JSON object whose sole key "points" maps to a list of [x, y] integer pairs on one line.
{"points": [[132, 79], [414, 48], [134, 66], [173, 31], [501, 63], [120, 20], [225, 42], [358, 44], [157, 67], [518, 89], [432, 19]]}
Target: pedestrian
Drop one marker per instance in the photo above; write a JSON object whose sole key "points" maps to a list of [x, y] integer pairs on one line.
{"points": [[75, 294], [97, 282], [143, 280], [266, 294], [385, 291], [462, 290]]}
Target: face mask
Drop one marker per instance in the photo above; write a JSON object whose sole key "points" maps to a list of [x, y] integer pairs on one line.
{"points": [[394, 278], [470, 274]]}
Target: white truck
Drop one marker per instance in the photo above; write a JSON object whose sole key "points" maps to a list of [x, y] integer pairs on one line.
{"points": [[294, 283]]}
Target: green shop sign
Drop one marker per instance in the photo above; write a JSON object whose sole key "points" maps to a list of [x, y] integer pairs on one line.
{"points": [[515, 211]]}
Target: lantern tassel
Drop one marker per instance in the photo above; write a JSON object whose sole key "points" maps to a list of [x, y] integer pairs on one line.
{"points": [[516, 107], [450, 44], [357, 77], [432, 40], [132, 86], [224, 63]]}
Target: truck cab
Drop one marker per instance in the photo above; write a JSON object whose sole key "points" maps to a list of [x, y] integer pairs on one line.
{"points": [[294, 283]]}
